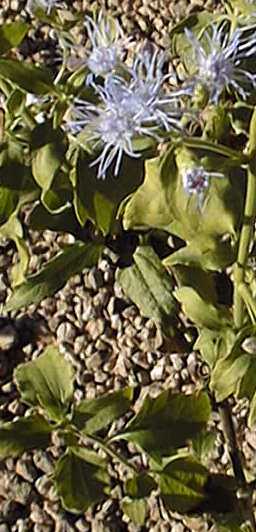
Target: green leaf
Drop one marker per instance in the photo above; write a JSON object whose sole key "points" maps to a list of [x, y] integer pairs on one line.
{"points": [[228, 373], [55, 274], [150, 287], [182, 485], [92, 415], [91, 193], [28, 77], [13, 230], [202, 313], [214, 344], [8, 203], [48, 155], [64, 221], [11, 35], [208, 252], [135, 509], [140, 486], [47, 381], [167, 422], [203, 444], [169, 207], [187, 487], [79, 484], [23, 435]]}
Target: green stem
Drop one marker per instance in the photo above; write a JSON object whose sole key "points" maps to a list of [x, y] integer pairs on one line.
{"points": [[220, 149], [236, 460], [248, 300], [108, 450], [244, 244]]}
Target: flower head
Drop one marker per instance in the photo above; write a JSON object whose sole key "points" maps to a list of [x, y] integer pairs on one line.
{"points": [[128, 109], [196, 182], [46, 5], [108, 45], [219, 62]]}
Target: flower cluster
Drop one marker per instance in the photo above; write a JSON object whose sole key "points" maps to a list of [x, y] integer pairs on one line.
{"points": [[133, 100]]}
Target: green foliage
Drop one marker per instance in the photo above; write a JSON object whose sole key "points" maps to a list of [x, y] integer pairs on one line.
{"points": [[167, 422], [92, 415], [48, 382], [150, 287], [11, 35], [79, 483], [50, 170], [55, 274], [23, 435]]}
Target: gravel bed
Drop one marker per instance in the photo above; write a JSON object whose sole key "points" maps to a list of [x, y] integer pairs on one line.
{"points": [[110, 346], [100, 332]]}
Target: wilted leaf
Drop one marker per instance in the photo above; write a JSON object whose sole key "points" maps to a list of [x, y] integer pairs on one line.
{"points": [[55, 274], [92, 415], [150, 287], [79, 483], [23, 435], [47, 381], [167, 422]]}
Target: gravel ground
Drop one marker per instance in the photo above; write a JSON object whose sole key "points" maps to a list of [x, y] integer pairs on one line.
{"points": [[101, 333]]}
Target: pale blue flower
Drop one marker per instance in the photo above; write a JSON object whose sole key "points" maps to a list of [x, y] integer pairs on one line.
{"points": [[196, 181], [46, 5], [219, 60], [108, 43], [128, 108]]}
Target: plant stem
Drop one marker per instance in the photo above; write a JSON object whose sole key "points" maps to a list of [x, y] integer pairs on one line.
{"points": [[247, 227], [108, 450], [220, 149], [235, 457], [248, 300]]}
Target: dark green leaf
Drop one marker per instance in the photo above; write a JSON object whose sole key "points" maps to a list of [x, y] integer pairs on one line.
{"points": [[90, 192], [182, 485], [65, 221], [92, 415], [79, 483], [167, 422], [11, 35], [55, 274], [29, 77], [23, 435], [47, 381], [140, 486], [150, 287]]}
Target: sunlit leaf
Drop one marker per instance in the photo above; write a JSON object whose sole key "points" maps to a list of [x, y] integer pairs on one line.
{"points": [[47, 381]]}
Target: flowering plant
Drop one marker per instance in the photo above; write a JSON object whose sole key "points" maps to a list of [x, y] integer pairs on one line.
{"points": [[110, 145]]}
